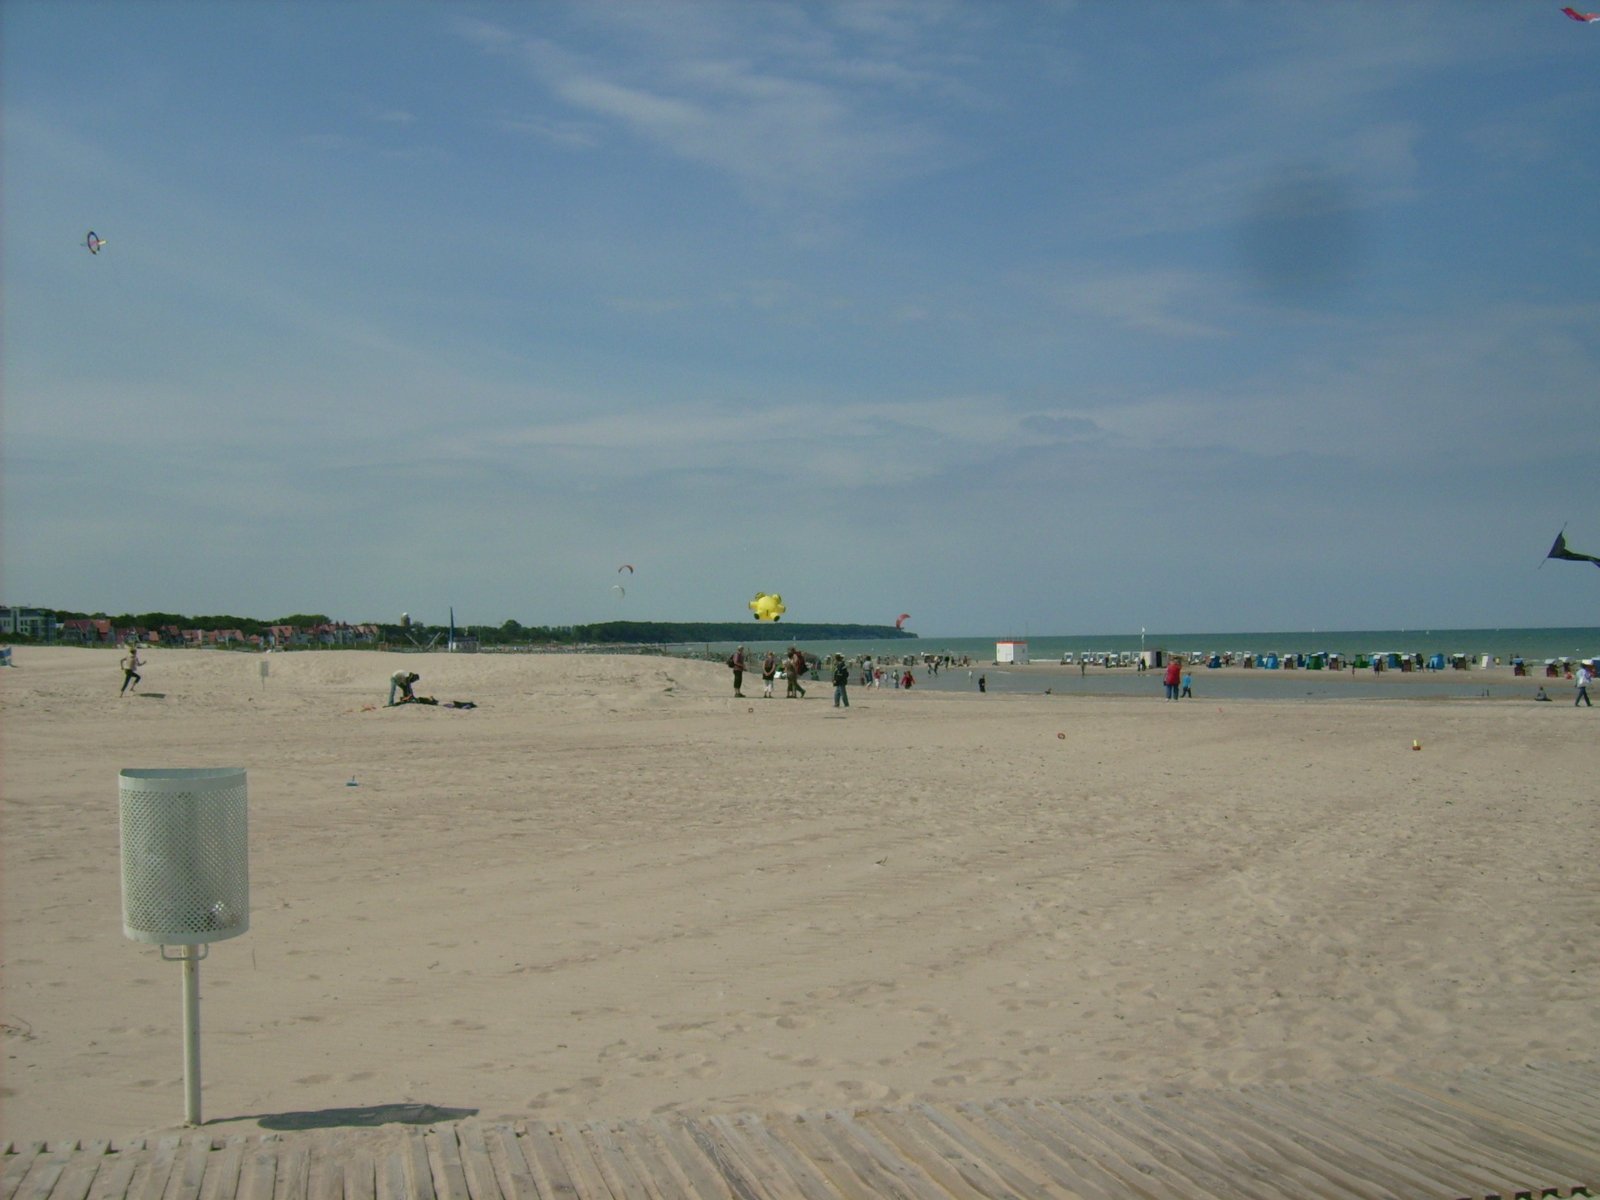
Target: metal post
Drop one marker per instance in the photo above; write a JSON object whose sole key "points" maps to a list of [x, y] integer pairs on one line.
{"points": [[191, 1033]]}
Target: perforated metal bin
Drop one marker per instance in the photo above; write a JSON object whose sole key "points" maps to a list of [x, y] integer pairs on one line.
{"points": [[185, 855]]}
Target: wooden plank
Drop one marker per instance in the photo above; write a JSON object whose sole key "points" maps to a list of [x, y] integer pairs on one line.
{"points": [[733, 1175], [259, 1171], [516, 1176], [81, 1172], [1077, 1163], [640, 1159], [544, 1157], [1134, 1141], [1486, 1159], [944, 1161], [444, 1163], [966, 1128], [294, 1170], [1379, 1149], [361, 1172], [1432, 1151], [189, 1171], [806, 1139], [222, 1172], [705, 1182], [418, 1165], [1038, 1136], [1426, 1154], [615, 1169], [325, 1169], [787, 1171], [115, 1173], [651, 1161], [48, 1168], [758, 1167], [1244, 1149], [1131, 1167], [151, 1183], [1541, 1104], [1328, 1169], [19, 1161], [880, 1160], [1527, 1157], [574, 1151], [390, 1176], [483, 1180]]}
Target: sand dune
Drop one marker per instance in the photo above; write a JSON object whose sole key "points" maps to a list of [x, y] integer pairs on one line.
{"points": [[614, 889]]}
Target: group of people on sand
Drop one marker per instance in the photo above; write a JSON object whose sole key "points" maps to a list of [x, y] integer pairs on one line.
{"points": [[793, 667]]}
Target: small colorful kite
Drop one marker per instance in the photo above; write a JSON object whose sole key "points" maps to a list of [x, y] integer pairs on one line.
{"points": [[767, 608], [628, 567], [1559, 550], [900, 622], [1587, 18], [94, 241]]}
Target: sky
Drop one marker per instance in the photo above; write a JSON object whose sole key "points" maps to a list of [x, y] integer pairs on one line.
{"points": [[1062, 317]]}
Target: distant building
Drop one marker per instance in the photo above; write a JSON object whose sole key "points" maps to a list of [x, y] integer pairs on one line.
{"points": [[88, 631], [36, 623], [1011, 651]]}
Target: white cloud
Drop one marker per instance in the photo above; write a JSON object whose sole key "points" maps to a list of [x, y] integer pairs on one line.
{"points": [[792, 128]]}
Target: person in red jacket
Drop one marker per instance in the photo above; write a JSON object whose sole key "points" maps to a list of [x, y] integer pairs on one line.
{"points": [[1173, 677]]}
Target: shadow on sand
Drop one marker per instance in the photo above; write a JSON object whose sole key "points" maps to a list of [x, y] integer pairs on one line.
{"points": [[371, 1115]]}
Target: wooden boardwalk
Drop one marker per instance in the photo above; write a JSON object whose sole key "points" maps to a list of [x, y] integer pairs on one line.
{"points": [[1518, 1132]]}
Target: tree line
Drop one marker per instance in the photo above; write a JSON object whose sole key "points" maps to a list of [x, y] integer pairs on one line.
{"points": [[515, 633]]}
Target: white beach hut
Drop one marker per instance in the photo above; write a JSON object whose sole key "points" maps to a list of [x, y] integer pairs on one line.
{"points": [[1010, 650]]}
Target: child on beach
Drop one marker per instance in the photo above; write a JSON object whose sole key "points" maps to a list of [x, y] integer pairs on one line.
{"points": [[769, 672]]}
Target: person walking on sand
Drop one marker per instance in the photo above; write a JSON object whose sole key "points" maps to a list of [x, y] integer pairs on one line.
{"points": [[793, 664], [130, 669], [1188, 686], [769, 672], [841, 682], [401, 682], [736, 662], [1584, 678], [1173, 678]]}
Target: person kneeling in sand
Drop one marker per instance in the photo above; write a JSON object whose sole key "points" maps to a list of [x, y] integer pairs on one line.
{"points": [[401, 682]]}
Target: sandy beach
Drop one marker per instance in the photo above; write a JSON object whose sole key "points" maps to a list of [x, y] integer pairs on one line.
{"points": [[613, 889]]}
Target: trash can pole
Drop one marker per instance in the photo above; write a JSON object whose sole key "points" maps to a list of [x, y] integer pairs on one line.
{"points": [[191, 1033]]}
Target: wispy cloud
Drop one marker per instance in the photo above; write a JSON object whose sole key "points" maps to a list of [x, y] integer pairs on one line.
{"points": [[788, 122]]}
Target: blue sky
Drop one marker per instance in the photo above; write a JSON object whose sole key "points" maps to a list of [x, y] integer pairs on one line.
{"points": [[1074, 317]]}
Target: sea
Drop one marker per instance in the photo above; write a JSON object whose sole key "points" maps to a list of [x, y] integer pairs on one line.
{"points": [[976, 657]]}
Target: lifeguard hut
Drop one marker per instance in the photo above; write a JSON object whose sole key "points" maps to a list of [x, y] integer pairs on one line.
{"points": [[1011, 650]]}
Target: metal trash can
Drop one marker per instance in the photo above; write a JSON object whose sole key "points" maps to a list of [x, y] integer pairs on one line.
{"points": [[185, 855]]}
